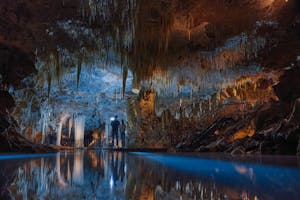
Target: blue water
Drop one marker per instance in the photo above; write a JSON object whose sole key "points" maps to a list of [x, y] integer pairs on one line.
{"points": [[266, 181], [116, 175]]}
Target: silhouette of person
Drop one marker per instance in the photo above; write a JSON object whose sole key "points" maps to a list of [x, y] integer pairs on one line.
{"points": [[115, 128], [122, 132]]}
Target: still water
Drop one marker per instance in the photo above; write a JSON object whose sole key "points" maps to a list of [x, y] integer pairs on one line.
{"points": [[116, 175]]}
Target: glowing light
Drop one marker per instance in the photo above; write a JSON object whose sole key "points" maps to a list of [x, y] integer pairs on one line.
{"points": [[112, 119], [135, 91], [244, 132], [111, 182], [24, 156]]}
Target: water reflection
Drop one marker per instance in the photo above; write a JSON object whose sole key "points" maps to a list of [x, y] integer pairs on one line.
{"points": [[116, 175]]}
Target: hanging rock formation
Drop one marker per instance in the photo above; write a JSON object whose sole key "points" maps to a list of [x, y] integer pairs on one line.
{"points": [[213, 75]]}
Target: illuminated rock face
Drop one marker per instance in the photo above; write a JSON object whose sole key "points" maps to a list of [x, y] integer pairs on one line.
{"points": [[181, 116]]}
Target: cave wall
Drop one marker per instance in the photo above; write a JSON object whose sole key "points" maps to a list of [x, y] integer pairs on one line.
{"points": [[258, 109], [210, 39]]}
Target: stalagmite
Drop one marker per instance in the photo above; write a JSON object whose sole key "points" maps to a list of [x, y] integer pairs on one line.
{"points": [[44, 126], [70, 125], [79, 131], [209, 104], [63, 118]]}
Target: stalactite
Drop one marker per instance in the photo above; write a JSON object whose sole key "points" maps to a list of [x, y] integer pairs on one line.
{"points": [[79, 124], [62, 120], [49, 78], [70, 125], [125, 74], [79, 65], [44, 126]]}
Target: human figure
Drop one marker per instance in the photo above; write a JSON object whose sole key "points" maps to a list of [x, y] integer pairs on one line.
{"points": [[115, 128], [122, 131]]}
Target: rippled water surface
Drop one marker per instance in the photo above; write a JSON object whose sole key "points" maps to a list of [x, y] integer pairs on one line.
{"points": [[117, 175]]}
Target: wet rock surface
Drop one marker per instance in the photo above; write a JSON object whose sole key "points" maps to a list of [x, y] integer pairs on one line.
{"points": [[274, 131], [10, 138]]}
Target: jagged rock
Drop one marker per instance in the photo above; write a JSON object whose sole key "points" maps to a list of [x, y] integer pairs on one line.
{"points": [[238, 151], [288, 89], [295, 114], [6, 102], [251, 145], [14, 65], [298, 148], [200, 149], [7, 174], [4, 124], [12, 141]]}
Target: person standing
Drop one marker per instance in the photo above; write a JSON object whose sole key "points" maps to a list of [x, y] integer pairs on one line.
{"points": [[122, 131], [115, 128]]}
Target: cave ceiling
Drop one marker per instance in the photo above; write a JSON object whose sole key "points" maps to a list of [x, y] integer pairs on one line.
{"points": [[179, 48], [141, 35]]}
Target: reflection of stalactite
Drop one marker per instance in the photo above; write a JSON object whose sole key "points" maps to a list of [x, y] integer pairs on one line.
{"points": [[61, 180], [78, 176], [69, 172]]}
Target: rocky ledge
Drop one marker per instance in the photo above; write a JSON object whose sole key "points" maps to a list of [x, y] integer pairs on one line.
{"points": [[272, 128]]}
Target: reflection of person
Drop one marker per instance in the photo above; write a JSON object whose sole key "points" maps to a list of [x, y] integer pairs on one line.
{"points": [[122, 167], [122, 131], [114, 167], [117, 163], [115, 128]]}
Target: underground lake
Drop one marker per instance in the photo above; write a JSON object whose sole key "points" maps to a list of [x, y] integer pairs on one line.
{"points": [[99, 174]]}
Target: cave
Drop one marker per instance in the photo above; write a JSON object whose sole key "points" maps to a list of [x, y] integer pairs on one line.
{"points": [[140, 99]]}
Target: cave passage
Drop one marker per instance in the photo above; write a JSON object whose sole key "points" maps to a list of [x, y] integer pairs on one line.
{"points": [[87, 87]]}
